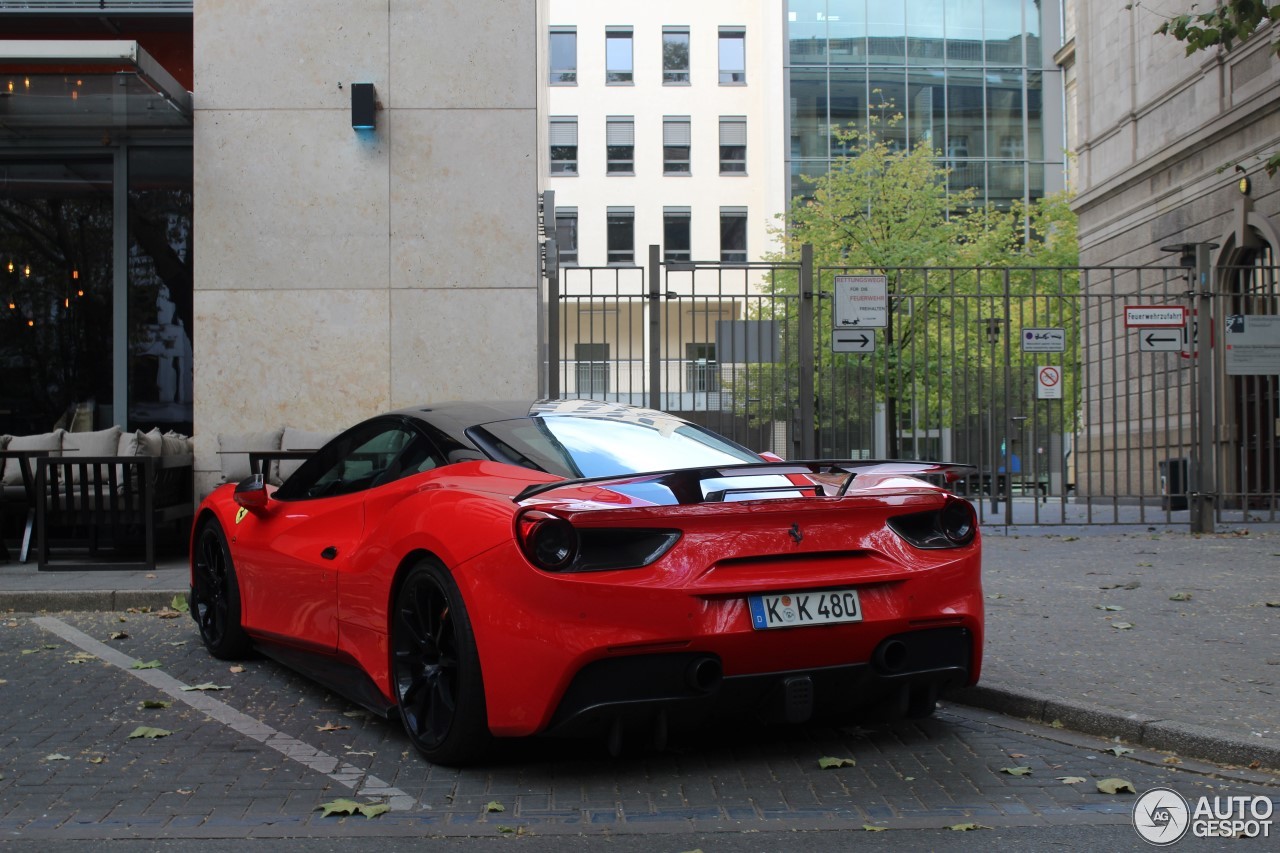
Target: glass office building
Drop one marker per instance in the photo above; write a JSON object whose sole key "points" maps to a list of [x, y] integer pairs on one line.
{"points": [[973, 79]]}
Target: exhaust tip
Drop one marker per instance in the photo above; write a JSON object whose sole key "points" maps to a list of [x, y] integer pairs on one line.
{"points": [[891, 656], [704, 674]]}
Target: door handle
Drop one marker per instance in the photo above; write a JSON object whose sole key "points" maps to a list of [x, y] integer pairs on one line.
{"points": [[329, 553]]}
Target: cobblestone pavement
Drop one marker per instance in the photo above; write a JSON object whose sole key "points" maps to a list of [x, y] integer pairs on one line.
{"points": [[258, 758]]}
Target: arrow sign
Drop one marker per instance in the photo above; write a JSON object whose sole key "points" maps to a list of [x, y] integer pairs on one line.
{"points": [[1152, 340], [861, 341]]}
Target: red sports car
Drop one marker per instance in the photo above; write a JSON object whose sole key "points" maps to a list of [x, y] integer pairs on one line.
{"points": [[498, 570]]}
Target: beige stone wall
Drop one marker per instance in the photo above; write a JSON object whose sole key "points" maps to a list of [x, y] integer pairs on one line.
{"points": [[340, 273]]}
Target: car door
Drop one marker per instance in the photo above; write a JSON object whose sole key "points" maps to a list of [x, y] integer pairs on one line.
{"points": [[312, 531]]}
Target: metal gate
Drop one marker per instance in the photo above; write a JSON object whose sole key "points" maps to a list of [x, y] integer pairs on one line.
{"points": [[1078, 393]]}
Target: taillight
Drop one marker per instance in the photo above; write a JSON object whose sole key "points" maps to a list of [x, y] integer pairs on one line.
{"points": [[953, 526], [553, 544], [548, 541]]}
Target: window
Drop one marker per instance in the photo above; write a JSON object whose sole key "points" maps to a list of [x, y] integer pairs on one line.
{"points": [[733, 56], [620, 145], [567, 235], [733, 145], [592, 370], [675, 56], [621, 235], [564, 56], [675, 234], [564, 145], [733, 235], [618, 66], [701, 369], [378, 453], [675, 145]]}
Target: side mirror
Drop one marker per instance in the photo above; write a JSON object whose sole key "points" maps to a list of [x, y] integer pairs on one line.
{"points": [[251, 492]]}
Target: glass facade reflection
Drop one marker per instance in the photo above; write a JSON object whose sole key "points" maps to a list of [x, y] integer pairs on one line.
{"points": [[969, 77]]}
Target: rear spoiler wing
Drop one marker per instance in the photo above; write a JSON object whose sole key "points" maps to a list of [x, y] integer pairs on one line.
{"points": [[832, 477]]}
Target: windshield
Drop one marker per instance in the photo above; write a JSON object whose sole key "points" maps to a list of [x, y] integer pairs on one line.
{"points": [[577, 447]]}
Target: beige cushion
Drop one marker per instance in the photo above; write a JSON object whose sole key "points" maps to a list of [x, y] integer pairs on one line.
{"points": [[103, 442], [174, 444], [233, 449], [48, 442], [299, 439], [140, 443]]}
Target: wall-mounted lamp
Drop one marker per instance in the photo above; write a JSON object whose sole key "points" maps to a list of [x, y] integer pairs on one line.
{"points": [[364, 104]]}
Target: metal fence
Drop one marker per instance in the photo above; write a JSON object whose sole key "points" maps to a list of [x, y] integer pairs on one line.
{"points": [[1077, 393]]}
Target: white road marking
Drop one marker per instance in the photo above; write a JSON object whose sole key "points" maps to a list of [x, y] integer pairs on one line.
{"points": [[344, 774]]}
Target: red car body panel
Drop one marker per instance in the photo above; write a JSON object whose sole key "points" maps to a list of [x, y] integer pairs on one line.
{"points": [[535, 630]]}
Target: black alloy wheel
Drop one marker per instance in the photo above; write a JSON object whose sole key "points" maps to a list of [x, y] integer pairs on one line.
{"points": [[215, 595], [436, 668]]}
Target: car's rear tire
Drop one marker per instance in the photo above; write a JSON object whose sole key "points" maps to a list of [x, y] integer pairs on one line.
{"points": [[435, 668], [215, 595]]}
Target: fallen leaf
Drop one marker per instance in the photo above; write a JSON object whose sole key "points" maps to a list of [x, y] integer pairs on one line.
{"points": [[1056, 724], [1016, 771], [154, 703], [1173, 759], [57, 756], [1123, 626], [1017, 755], [1116, 786], [176, 643], [1145, 565], [355, 713], [1118, 750], [236, 669], [869, 828], [149, 732], [208, 685], [97, 759], [1112, 608], [1071, 780], [345, 806], [1180, 596], [151, 664], [118, 635], [997, 595], [1255, 764], [81, 657], [1273, 603], [168, 613], [494, 806], [829, 763], [331, 727], [179, 604], [966, 827]]}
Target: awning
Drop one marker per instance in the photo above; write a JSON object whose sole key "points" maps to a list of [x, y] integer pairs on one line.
{"points": [[70, 88]]}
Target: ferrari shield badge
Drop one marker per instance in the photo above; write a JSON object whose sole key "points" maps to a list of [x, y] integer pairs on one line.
{"points": [[240, 514]]}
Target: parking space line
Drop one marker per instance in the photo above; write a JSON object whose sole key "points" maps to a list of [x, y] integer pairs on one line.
{"points": [[347, 775]]}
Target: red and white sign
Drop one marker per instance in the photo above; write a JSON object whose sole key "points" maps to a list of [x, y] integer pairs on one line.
{"points": [[1049, 383], [1155, 316]]}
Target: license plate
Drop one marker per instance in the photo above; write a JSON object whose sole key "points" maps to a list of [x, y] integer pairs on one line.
{"points": [[794, 609]]}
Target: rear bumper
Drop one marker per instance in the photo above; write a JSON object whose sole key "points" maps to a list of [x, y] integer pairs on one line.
{"points": [[904, 676]]}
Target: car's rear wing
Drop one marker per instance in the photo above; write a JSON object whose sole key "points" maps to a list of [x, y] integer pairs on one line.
{"points": [[828, 477]]}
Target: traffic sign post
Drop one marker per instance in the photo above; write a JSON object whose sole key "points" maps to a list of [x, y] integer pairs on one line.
{"points": [[862, 301], [1049, 382], [1160, 340], [856, 341], [1044, 340], [1155, 316]]}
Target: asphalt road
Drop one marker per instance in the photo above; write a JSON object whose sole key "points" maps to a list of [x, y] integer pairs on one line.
{"points": [[259, 757]]}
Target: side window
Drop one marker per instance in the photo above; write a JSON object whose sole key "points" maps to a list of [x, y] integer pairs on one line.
{"points": [[377, 454]]}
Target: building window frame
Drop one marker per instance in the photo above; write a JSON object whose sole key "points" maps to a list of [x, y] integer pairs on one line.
{"points": [[591, 369], [732, 53], [677, 142], [733, 145], [733, 235], [567, 236], [563, 147], [674, 72], [620, 145], [620, 236], [677, 235], [566, 74], [619, 57]]}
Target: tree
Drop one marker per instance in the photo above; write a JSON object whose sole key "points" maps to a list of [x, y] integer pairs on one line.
{"points": [[1224, 25], [888, 211]]}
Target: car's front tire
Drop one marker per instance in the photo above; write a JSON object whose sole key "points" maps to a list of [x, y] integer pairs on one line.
{"points": [[215, 595], [436, 669]]}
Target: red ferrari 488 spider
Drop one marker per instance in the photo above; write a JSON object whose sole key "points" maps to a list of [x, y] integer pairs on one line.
{"points": [[497, 570]]}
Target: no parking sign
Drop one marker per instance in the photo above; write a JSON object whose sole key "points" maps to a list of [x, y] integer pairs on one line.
{"points": [[1049, 383]]}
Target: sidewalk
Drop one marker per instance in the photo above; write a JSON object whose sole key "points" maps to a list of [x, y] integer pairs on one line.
{"points": [[1198, 676]]}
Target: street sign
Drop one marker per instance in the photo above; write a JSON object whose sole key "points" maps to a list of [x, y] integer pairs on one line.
{"points": [[1160, 316], [1049, 383], [1160, 340], [857, 340], [1253, 344], [862, 301], [1044, 340]]}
